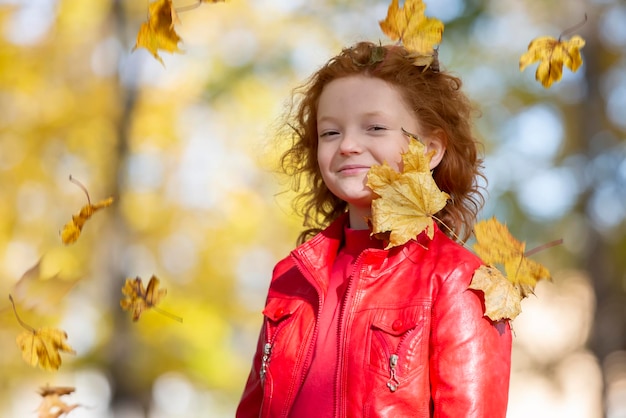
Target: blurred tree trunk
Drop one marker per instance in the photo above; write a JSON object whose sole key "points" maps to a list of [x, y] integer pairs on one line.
{"points": [[128, 397], [609, 327]]}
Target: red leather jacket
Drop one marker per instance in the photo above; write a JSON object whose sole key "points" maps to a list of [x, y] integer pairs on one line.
{"points": [[415, 342]]}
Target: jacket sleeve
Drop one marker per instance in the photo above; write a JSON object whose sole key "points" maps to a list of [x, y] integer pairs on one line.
{"points": [[252, 397], [470, 356]]}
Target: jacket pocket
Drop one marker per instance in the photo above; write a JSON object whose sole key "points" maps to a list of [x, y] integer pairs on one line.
{"points": [[279, 314], [398, 344]]}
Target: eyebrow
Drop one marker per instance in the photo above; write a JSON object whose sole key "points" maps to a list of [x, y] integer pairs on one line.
{"points": [[375, 113]]}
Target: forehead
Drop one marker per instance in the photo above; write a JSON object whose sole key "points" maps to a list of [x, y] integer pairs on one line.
{"points": [[362, 94]]}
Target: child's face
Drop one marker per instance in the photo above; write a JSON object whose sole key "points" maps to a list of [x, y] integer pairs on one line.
{"points": [[359, 124]]}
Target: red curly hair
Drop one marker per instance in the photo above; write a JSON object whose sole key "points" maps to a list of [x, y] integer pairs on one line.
{"points": [[439, 105]]}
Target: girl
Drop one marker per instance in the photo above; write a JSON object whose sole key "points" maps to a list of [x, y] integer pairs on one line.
{"points": [[351, 329]]}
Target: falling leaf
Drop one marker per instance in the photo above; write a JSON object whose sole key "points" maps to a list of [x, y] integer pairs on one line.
{"points": [[418, 33], [32, 291], [158, 32], [71, 231], [496, 246], [42, 346], [52, 406], [405, 202], [502, 298], [137, 298], [552, 54]]}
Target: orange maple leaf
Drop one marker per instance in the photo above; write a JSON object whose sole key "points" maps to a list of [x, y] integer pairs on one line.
{"points": [[552, 54], [41, 346], [72, 230], [405, 202], [496, 246], [52, 406], [138, 298], [418, 33]]}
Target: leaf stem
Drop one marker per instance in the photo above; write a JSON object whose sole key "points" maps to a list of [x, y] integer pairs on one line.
{"points": [[79, 184], [448, 228], [22, 323], [166, 313], [573, 28], [543, 247], [188, 7]]}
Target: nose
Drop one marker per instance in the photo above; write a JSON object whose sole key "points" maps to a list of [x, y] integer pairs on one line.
{"points": [[350, 144]]}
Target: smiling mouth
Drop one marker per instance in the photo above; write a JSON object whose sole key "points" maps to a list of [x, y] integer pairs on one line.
{"points": [[353, 169]]}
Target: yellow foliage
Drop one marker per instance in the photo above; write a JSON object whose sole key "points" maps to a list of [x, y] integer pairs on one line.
{"points": [[418, 33], [405, 202], [552, 54], [41, 347], [495, 245], [158, 32], [71, 231], [138, 298]]}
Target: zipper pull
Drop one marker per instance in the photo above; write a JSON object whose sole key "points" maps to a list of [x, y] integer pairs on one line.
{"points": [[393, 383], [267, 350]]}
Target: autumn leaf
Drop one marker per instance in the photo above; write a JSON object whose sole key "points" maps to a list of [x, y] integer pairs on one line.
{"points": [[552, 54], [52, 406], [418, 33], [158, 32], [502, 298], [32, 291], [42, 346], [137, 298], [496, 246], [72, 230], [405, 202]]}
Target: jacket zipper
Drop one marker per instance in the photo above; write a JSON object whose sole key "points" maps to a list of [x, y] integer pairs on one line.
{"points": [[267, 351], [393, 382]]}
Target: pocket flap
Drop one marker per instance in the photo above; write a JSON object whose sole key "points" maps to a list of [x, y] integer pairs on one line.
{"points": [[278, 309], [398, 321]]}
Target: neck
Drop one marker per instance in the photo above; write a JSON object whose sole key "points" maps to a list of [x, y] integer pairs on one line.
{"points": [[358, 218]]}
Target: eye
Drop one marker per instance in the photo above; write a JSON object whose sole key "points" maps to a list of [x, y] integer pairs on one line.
{"points": [[326, 134], [377, 128]]}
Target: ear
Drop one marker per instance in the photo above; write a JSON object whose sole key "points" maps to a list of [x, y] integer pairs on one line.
{"points": [[435, 142]]}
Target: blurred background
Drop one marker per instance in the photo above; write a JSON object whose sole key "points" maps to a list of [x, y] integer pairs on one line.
{"points": [[188, 152]]}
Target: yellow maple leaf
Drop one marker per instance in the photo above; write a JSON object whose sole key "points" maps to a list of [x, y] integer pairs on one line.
{"points": [[72, 230], [418, 33], [138, 298], [52, 406], [32, 291], [496, 246], [552, 54], [405, 202], [502, 298], [158, 32], [41, 346]]}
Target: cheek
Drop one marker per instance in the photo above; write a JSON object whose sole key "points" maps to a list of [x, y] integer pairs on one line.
{"points": [[324, 157]]}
